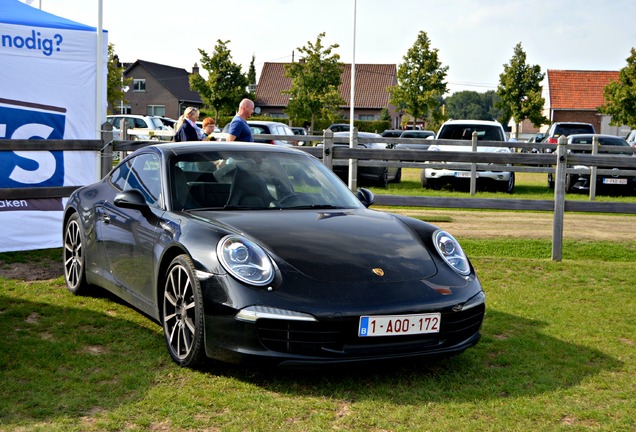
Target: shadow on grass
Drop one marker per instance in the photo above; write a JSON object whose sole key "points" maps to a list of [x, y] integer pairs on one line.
{"points": [[513, 359], [58, 361]]}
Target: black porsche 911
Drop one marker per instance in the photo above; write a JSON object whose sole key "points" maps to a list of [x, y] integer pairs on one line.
{"points": [[252, 252]]}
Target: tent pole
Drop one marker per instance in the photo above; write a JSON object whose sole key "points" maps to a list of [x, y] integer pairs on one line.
{"points": [[99, 76]]}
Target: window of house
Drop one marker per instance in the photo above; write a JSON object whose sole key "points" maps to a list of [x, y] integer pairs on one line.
{"points": [[156, 110], [366, 117], [139, 85], [278, 115]]}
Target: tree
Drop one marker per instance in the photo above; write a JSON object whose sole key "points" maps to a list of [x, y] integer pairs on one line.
{"points": [[115, 82], [473, 105], [520, 90], [620, 96], [315, 81], [226, 84], [251, 77], [420, 80]]}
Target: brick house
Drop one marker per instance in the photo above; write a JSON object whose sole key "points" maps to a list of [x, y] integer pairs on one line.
{"points": [[158, 89], [371, 95], [574, 95]]}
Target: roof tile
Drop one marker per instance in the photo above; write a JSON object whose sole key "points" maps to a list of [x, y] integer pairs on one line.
{"points": [[580, 90]]}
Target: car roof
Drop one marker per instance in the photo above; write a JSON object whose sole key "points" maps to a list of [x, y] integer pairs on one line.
{"points": [[360, 134], [265, 123], [185, 147], [576, 137], [478, 122]]}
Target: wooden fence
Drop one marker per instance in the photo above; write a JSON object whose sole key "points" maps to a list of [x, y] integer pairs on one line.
{"points": [[336, 151]]}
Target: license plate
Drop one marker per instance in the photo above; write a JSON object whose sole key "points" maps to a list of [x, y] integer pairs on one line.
{"points": [[399, 325], [465, 174], [614, 181]]}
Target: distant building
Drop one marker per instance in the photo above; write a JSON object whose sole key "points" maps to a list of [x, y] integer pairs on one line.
{"points": [[158, 89], [371, 95], [575, 95]]}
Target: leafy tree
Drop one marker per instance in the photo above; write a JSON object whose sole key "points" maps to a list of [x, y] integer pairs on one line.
{"points": [[315, 81], [420, 80], [226, 84], [520, 90], [251, 76], [473, 105], [385, 115], [114, 84], [620, 96]]}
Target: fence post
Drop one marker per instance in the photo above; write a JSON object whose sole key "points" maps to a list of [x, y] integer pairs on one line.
{"points": [[593, 169], [559, 199], [106, 154], [473, 167], [353, 163], [327, 149]]}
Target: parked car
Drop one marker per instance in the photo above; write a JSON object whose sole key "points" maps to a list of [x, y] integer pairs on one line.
{"points": [[300, 131], [258, 253], [151, 123], [566, 128], [436, 178], [631, 138], [369, 175], [268, 128], [609, 145], [392, 133], [340, 127], [420, 134]]}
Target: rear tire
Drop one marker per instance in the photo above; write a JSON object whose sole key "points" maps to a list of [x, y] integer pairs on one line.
{"points": [[73, 255]]}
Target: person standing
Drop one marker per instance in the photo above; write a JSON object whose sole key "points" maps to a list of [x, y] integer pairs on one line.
{"points": [[188, 130], [208, 129], [239, 129]]}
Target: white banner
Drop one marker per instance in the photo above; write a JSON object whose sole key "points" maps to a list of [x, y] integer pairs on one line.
{"points": [[47, 91]]}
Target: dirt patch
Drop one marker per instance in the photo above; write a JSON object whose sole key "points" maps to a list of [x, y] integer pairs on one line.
{"points": [[532, 225], [40, 270]]}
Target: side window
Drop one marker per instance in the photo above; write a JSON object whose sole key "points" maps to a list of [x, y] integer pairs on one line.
{"points": [[141, 173]]}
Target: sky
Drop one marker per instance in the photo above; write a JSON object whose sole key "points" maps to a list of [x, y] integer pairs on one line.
{"points": [[474, 38]]}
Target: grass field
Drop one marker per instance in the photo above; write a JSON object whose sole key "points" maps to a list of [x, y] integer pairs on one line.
{"points": [[558, 353]]}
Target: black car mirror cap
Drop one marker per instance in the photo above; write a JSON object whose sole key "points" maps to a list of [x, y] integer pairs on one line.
{"points": [[365, 196], [131, 199]]}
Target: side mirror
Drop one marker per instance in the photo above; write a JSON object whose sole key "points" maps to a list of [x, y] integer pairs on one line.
{"points": [[132, 199], [365, 196]]}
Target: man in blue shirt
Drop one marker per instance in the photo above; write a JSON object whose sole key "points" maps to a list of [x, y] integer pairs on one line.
{"points": [[239, 129]]}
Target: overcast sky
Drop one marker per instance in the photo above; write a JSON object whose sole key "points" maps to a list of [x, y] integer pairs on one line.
{"points": [[475, 38]]}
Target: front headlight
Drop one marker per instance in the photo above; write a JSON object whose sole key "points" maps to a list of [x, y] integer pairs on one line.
{"points": [[450, 250], [245, 260]]}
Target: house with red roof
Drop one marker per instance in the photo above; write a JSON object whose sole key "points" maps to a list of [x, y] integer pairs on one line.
{"points": [[371, 95], [574, 95]]}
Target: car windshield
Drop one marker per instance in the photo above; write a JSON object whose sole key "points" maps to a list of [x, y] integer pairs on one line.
{"points": [[572, 129], [256, 180], [465, 132], [156, 123]]}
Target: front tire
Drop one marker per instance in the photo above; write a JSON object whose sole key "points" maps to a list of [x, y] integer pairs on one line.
{"points": [[182, 316], [73, 255]]}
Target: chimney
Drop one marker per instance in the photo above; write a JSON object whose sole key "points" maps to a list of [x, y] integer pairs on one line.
{"points": [[195, 69]]}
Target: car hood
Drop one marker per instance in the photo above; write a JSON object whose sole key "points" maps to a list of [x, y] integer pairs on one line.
{"points": [[358, 246], [467, 148]]}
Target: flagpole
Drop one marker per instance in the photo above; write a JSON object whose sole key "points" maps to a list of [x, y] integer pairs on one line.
{"points": [[353, 171]]}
